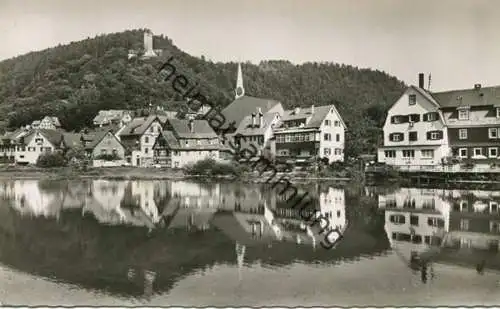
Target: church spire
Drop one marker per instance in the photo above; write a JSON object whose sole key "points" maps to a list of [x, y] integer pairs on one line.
{"points": [[239, 91]]}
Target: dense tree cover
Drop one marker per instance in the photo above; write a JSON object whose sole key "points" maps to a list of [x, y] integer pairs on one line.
{"points": [[76, 80]]}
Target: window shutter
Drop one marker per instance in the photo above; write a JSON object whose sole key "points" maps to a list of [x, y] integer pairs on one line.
{"points": [[440, 134], [436, 115], [391, 218], [426, 117], [401, 136], [392, 119], [405, 118], [391, 137], [428, 135], [415, 117]]}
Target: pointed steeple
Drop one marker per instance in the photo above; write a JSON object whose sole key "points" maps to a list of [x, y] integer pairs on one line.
{"points": [[240, 90]]}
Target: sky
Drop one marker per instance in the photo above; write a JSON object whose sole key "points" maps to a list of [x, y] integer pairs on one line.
{"points": [[456, 41]]}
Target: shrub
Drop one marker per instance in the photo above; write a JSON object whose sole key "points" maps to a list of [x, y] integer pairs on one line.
{"points": [[108, 157], [210, 167], [51, 159]]}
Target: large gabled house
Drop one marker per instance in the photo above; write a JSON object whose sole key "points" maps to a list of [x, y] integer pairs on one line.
{"points": [[48, 122], [37, 142], [415, 132], [138, 137], [425, 129], [184, 142], [307, 134]]}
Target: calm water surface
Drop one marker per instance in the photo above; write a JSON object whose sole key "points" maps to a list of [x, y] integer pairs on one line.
{"points": [[98, 242]]}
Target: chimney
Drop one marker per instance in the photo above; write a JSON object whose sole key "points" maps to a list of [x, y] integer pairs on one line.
{"points": [[261, 118], [421, 81], [191, 125], [253, 119], [312, 109], [477, 86]]}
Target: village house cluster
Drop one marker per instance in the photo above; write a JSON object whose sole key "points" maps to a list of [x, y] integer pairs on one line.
{"points": [[119, 137], [427, 130]]}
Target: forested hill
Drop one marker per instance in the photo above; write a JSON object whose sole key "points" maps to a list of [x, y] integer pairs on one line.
{"points": [[76, 80]]}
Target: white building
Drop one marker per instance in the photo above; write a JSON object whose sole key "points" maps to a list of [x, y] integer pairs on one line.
{"points": [[37, 142], [308, 133], [415, 133]]}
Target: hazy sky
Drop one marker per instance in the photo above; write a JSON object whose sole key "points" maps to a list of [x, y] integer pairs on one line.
{"points": [[457, 41]]}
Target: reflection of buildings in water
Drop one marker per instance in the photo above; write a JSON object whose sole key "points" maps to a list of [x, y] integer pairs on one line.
{"points": [[474, 235], [415, 218], [27, 198], [195, 194], [330, 204], [248, 226], [146, 194]]}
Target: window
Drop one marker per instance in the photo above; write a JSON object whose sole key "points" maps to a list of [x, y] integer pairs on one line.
{"points": [[146, 139], [338, 151], [434, 135], [463, 114], [431, 116], [390, 153], [427, 153], [326, 151], [337, 137], [494, 227], [462, 134], [493, 207], [412, 99], [396, 137], [478, 152], [327, 137], [436, 222], [413, 136], [397, 219], [328, 122], [462, 153], [414, 118], [493, 152], [408, 153], [414, 220], [464, 206], [464, 225], [337, 123], [493, 133]]}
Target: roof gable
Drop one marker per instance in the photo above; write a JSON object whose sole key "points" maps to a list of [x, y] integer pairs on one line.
{"points": [[246, 127], [244, 106]]}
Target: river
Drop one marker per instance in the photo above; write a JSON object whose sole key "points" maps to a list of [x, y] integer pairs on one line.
{"points": [[183, 243]]}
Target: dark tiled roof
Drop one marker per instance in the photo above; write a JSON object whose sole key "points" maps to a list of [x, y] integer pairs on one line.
{"points": [[201, 129], [55, 137], [138, 126], [469, 97], [244, 106], [320, 112], [246, 128], [72, 140]]}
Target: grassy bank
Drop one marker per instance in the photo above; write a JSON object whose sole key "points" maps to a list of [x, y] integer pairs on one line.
{"points": [[131, 173]]}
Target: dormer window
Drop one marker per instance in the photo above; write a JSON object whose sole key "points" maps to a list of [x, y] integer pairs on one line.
{"points": [[463, 114], [412, 99]]}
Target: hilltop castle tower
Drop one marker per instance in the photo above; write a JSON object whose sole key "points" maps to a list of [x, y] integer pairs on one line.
{"points": [[239, 91], [148, 44]]}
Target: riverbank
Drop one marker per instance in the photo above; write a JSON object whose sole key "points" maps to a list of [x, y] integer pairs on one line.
{"points": [[137, 173]]}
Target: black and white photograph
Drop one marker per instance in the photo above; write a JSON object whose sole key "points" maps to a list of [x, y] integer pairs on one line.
{"points": [[249, 153]]}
